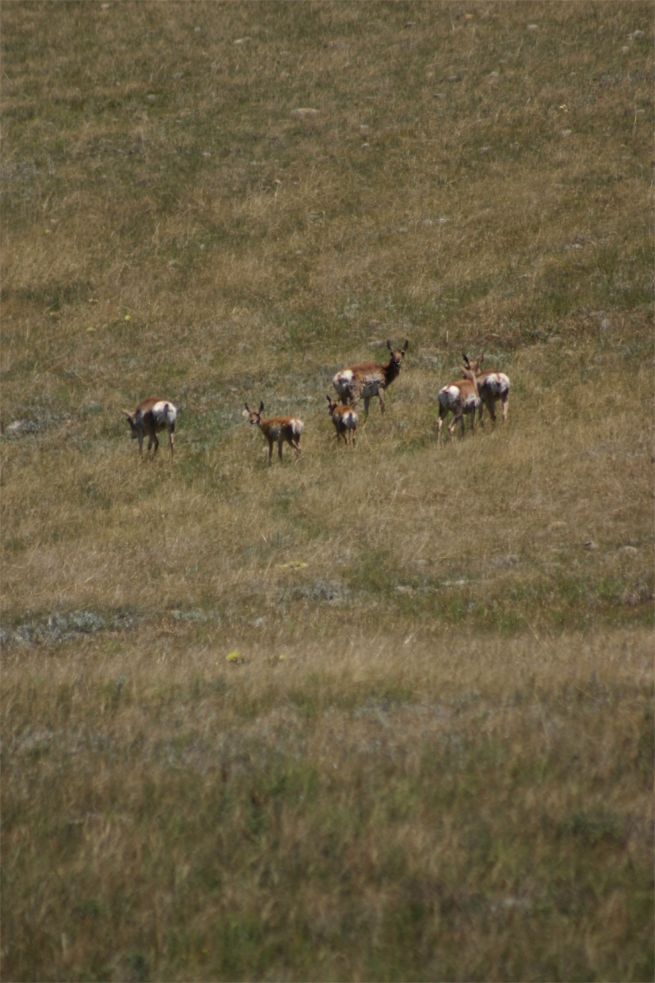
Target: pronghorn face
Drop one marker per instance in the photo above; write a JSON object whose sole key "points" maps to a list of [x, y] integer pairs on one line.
{"points": [[132, 423], [474, 366], [254, 416], [397, 354]]}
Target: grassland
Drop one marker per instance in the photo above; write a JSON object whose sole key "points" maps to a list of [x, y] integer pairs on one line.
{"points": [[384, 713]]}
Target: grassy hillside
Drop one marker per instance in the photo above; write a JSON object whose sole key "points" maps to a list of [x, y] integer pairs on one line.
{"points": [[384, 713]]}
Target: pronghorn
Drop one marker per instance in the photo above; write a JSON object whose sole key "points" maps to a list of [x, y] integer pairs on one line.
{"points": [[344, 419], [278, 430], [459, 398], [369, 380], [493, 386], [151, 416]]}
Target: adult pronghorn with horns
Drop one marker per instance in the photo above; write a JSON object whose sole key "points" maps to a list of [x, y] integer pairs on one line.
{"points": [[369, 380]]}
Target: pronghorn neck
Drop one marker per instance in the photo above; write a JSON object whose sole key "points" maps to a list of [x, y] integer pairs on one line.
{"points": [[470, 375], [392, 369], [472, 371]]}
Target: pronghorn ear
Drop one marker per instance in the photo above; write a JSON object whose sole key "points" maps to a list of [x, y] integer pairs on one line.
{"points": [[247, 407], [389, 345], [261, 407], [406, 345], [127, 414], [466, 360]]}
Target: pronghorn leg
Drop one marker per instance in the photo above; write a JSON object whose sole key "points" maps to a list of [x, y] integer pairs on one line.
{"points": [[459, 419], [381, 398], [492, 410], [171, 441], [270, 453], [153, 441], [440, 422], [505, 402]]}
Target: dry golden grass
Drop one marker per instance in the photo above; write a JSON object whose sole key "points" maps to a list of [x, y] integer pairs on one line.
{"points": [[386, 712], [259, 817]]}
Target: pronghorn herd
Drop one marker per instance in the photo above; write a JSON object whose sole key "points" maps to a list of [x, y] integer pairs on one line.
{"points": [[476, 391]]}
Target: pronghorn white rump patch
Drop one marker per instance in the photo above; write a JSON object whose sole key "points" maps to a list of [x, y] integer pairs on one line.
{"points": [[451, 396], [448, 396], [497, 383], [297, 426], [164, 412], [345, 382]]}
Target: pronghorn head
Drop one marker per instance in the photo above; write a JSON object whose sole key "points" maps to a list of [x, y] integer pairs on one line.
{"points": [[473, 366], [397, 354], [131, 419], [254, 416], [332, 405], [471, 370]]}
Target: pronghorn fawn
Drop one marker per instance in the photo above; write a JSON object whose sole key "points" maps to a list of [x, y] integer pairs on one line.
{"points": [[493, 386], [277, 430], [149, 418], [460, 398], [369, 380], [344, 419]]}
